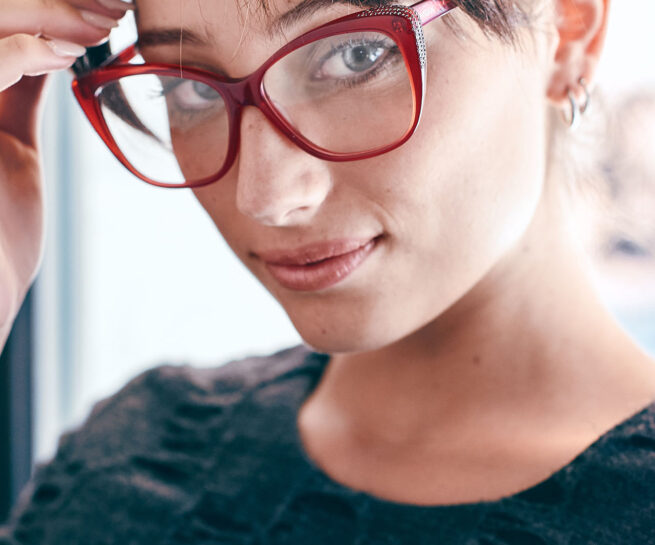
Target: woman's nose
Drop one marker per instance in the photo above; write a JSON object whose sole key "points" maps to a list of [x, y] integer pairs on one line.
{"points": [[278, 184]]}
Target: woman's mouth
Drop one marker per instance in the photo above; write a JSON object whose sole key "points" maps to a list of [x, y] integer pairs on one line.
{"points": [[318, 266]]}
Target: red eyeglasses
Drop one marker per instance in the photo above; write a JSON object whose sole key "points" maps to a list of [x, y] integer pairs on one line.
{"points": [[350, 89]]}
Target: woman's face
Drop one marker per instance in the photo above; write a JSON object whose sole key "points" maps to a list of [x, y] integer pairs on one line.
{"points": [[441, 210]]}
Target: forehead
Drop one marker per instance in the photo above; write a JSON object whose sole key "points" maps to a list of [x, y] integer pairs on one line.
{"points": [[269, 17]]}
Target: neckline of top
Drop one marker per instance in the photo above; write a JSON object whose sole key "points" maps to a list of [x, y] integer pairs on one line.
{"points": [[318, 362]]}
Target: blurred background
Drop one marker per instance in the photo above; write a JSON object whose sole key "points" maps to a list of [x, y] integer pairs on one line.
{"points": [[135, 275]]}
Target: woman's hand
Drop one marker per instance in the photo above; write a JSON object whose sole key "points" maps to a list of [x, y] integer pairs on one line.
{"points": [[37, 37]]}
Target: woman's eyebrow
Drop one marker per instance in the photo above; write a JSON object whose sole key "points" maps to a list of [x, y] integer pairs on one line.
{"points": [[167, 36], [299, 13], [305, 9]]}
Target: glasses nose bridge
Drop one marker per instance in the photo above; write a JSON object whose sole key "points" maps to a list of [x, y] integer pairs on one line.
{"points": [[246, 92]]}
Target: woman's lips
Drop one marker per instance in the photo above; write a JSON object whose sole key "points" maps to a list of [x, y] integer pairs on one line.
{"points": [[318, 266]]}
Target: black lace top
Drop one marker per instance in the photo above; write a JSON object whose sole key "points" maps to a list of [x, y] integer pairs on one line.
{"points": [[188, 456]]}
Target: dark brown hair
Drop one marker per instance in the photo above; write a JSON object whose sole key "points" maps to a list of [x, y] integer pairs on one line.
{"points": [[500, 18]]}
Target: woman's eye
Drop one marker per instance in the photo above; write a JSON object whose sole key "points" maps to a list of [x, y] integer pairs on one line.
{"points": [[362, 57], [192, 95], [351, 60]]}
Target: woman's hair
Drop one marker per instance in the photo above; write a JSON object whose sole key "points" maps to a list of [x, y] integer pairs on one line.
{"points": [[499, 18]]}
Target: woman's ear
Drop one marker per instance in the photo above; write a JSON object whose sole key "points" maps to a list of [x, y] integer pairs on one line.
{"points": [[580, 27]]}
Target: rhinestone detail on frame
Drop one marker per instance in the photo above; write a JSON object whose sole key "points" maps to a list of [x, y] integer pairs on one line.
{"points": [[412, 17]]}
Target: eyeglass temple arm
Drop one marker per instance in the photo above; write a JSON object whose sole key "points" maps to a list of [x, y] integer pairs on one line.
{"points": [[100, 56], [429, 10]]}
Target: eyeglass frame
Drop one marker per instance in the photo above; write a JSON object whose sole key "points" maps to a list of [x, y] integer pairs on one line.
{"points": [[403, 24]]}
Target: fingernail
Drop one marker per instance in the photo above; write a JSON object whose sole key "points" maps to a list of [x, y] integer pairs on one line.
{"points": [[66, 49], [101, 42], [116, 4], [97, 20]]}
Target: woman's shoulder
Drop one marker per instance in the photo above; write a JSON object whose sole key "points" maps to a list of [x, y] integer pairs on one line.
{"points": [[235, 376], [604, 496], [143, 448], [174, 391]]}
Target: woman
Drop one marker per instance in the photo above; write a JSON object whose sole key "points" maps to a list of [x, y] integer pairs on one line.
{"points": [[464, 385]]}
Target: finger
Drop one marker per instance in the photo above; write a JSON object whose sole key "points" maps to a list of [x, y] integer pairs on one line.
{"points": [[55, 19], [112, 8], [25, 55]]}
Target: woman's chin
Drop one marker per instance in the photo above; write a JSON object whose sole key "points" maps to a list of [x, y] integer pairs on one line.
{"points": [[332, 346], [339, 339]]}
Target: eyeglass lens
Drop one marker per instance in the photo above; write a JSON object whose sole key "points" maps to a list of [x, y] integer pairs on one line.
{"points": [[347, 93]]}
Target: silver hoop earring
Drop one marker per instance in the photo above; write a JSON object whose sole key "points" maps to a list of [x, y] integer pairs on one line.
{"points": [[587, 96], [573, 121]]}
